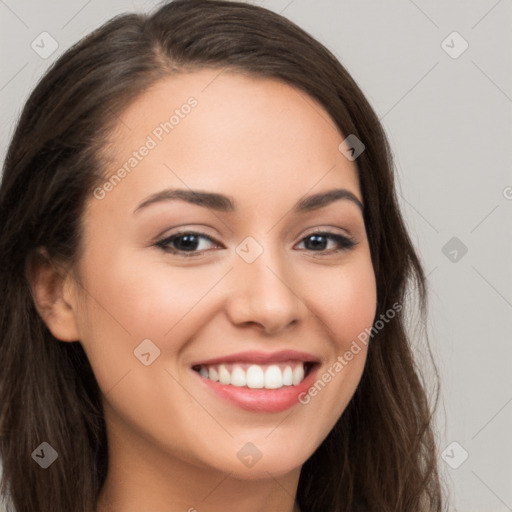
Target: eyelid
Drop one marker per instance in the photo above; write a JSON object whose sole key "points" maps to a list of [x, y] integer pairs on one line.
{"points": [[331, 230]]}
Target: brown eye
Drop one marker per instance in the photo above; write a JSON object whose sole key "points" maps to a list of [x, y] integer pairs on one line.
{"points": [[318, 242], [188, 243]]}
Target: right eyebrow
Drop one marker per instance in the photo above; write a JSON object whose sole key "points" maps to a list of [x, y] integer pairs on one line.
{"points": [[207, 199]]}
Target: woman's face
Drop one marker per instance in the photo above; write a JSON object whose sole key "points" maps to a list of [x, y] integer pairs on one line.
{"points": [[178, 290]]}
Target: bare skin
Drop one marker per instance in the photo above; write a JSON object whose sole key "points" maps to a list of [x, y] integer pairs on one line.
{"points": [[173, 443]]}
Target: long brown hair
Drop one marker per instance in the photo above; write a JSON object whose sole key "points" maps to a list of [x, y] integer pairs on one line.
{"points": [[381, 455]]}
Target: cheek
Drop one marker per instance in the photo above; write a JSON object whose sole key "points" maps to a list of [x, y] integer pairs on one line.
{"points": [[345, 300], [133, 299], [146, 299], [345, 303]]}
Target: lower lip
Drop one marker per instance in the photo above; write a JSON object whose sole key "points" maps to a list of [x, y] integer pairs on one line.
{"points": [[261, 400]]}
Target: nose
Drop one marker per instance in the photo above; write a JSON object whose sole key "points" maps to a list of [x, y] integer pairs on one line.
{"points": [[262, 293]]}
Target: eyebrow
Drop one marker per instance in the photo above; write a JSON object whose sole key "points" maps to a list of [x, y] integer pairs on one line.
{"points": [[220, 202]]}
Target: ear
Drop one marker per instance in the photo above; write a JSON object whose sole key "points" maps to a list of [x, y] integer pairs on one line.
{"points": [[53, 292]]}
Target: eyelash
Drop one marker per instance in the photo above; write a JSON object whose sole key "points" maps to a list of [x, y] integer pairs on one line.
{"points": [[345, 243]]}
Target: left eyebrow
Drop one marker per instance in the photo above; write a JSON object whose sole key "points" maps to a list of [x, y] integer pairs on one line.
{"points": [[322, 199], [224, 203]]}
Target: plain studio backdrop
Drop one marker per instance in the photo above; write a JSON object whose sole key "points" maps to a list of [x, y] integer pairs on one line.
{"points": [[439, 76]]}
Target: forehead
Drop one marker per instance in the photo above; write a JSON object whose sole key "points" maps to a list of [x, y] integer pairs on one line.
{"points": [[256, 138]]}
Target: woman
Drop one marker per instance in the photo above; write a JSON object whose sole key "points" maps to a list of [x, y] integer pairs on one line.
{"points": [[204, 270]]}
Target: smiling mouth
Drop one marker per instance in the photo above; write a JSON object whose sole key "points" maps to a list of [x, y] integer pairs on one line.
{"points": [[256, 376]]}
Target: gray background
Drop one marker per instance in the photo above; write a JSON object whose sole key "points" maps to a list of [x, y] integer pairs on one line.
{"points": [[448, 118]]}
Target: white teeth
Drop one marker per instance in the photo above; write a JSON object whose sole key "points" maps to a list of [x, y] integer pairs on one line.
{"points": [[213, 375], [298, 374], [224, 375], [254, 376], [273, 377], [238, 377], [288, 376]]}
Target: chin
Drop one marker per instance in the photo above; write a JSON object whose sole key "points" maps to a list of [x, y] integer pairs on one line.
{"points": [[262, 470], [260, 460]]}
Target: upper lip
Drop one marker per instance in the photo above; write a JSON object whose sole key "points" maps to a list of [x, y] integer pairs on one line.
{"points": [[257, 357]]}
